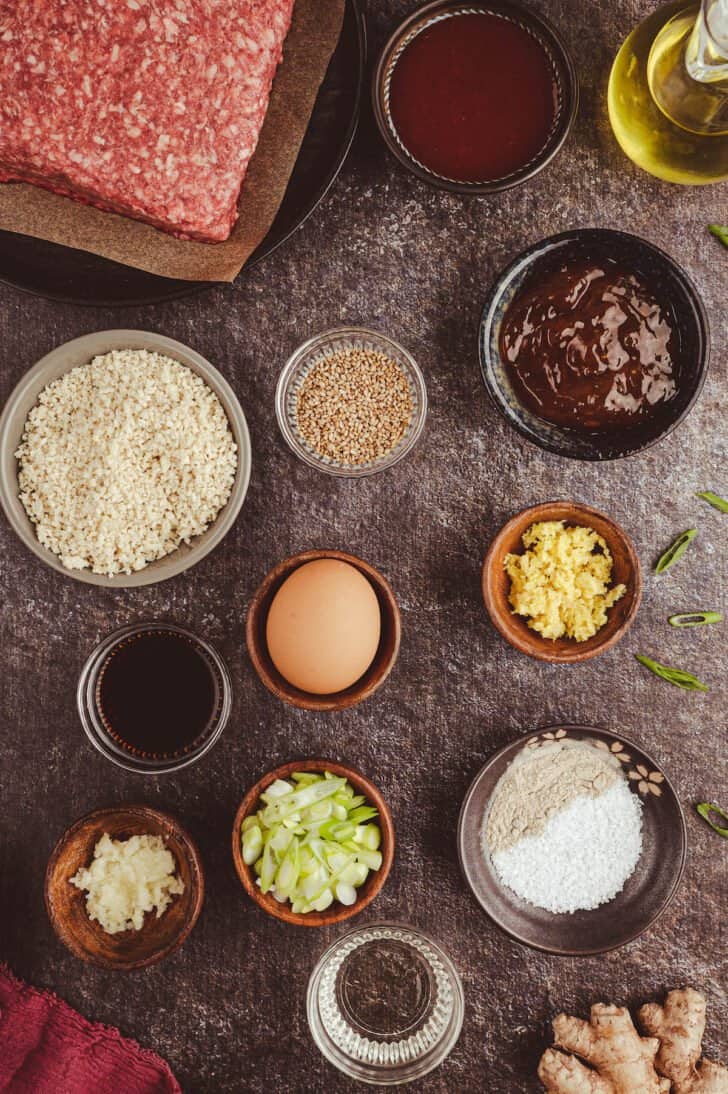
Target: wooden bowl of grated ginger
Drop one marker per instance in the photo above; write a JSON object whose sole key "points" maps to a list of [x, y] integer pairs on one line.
{"points": [[608, 625]]}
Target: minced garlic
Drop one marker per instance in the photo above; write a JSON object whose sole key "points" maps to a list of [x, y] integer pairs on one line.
{"points": [[561, 581], [126, 879]]}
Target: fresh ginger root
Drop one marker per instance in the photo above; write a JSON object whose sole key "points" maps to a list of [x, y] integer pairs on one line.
{"points": [[622, 1062], [680, 1025]]}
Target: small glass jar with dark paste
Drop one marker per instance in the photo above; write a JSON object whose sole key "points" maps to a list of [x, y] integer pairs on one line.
{"points": [[153, 697]]}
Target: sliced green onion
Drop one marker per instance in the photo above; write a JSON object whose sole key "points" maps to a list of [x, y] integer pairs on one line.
{"points": [[372, 859], [694, 619], [312, 842], [268, 869], [678, 677], [714, 499], [295, 800], [252, 845], [705, 809], [322, 903], [288, 871], [355, 874], [676, 550], [720, 231], [362, 814], [345, 894], [371, 837], [276, 790]]}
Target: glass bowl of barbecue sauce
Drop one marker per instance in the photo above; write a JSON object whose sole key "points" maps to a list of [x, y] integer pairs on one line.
{"points": [[474, 98], [153, 697], [594, 344]]}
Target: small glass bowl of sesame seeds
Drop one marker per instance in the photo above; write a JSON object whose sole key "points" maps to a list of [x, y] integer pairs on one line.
{"points": [[351, 402]]}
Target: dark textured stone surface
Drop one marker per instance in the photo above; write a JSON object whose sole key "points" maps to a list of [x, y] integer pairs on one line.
{"points": [[228, 1009]]}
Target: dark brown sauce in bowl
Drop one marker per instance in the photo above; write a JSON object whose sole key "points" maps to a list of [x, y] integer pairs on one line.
{"points": [[663, 291], [590, 346], [158, 694], [154, 697], [473, 97]]}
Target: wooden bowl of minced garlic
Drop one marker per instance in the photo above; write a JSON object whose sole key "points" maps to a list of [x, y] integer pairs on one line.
{"points": [[562, 582], [124, 887]]}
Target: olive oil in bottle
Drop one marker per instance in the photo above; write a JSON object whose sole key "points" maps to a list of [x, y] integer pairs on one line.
{"points": [[668, 93]]}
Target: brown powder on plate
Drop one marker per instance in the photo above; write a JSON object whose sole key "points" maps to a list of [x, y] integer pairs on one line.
{"points": [[539, 783], [354, 406]]}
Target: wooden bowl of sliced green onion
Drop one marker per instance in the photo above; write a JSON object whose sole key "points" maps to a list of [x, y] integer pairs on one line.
{"points": [[313, 842]]}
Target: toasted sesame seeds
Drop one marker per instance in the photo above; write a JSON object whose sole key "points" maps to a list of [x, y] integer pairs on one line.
{"points": [[354, 407]]}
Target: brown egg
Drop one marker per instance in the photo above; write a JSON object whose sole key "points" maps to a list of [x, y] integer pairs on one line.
{"points": [[323, 626]]}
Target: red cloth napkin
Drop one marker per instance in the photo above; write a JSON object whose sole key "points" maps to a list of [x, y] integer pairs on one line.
{"points": [[48, 1048]]}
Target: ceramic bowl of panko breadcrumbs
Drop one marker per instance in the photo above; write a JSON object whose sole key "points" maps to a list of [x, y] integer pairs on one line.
{"points": [[562, 582], [351, 402], [572, 840], [99, 435]]}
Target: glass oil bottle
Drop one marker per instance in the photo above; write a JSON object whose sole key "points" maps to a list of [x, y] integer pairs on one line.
{"points": [[668, 93]]}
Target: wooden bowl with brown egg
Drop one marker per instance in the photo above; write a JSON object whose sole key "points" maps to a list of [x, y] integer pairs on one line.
{"points": [[379, 668]]}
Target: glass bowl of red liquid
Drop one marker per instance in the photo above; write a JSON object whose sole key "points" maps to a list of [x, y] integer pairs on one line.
{"points": [[474, 98], [153, 697], [666, 315]]}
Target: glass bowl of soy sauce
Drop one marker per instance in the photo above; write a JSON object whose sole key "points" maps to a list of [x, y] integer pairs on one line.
{"points": [[153, 697]]}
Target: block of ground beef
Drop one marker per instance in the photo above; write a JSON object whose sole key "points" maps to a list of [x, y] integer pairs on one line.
{"points": [[149, 108]]}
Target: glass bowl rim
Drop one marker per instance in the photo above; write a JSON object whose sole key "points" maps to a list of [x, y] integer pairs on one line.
{"points": [[410, 368], [389, 1075], [92, 725]]}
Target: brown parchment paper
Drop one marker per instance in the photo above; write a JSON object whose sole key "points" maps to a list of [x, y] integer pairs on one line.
{"points": [[311, 41]]}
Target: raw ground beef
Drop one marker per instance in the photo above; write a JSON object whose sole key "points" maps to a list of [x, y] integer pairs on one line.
{"points": [[149, 108]]}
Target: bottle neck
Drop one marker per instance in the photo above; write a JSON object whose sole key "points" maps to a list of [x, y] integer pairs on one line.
{"points": [[706, 52], [687, 69]]}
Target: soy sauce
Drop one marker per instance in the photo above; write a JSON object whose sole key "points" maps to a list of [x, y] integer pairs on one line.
{"points": [[158, 694], [473, 97]]}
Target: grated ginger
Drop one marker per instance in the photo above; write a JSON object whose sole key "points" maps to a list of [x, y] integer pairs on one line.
{"points": [[126, 879], [561, 581]]}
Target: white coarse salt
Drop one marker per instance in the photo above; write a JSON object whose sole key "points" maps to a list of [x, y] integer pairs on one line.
{"points": [[583, 856]]}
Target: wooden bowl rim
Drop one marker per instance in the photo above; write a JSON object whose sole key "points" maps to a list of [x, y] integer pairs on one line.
{"points": [[575, 513], [197, 875], [336, 913], [368, 683]]}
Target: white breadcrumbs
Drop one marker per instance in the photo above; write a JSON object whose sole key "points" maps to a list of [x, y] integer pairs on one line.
{"points": [[354, 406], [124, 459], [583, 856]]}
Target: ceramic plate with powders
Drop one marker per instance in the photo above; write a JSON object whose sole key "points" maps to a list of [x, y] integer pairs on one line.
{"points": [[647, 891]]}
